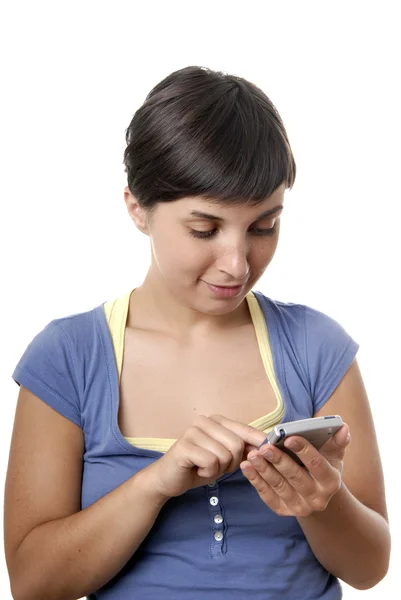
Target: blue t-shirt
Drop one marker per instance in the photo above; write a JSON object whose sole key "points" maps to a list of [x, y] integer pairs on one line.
{"points": [[213, 542]]}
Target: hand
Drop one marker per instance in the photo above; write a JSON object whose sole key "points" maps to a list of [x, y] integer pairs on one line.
{"points": [[211, 447], [290, 489]]}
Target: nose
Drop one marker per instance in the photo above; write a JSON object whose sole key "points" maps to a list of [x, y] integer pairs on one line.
{"points": [[233, 260]]}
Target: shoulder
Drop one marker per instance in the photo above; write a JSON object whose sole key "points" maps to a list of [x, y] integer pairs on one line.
{"points": [[77, 324], [53, 363], [320, 347], [63, 338], [299, 318]]}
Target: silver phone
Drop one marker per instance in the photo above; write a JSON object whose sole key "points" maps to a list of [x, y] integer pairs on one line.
{"points": [[317, 431]]}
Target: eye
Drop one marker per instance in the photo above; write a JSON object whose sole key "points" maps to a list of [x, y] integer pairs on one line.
{"points": [[261, 232], [203, 235], [257, 231]]}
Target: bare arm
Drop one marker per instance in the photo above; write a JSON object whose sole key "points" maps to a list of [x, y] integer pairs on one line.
{"points": [[339, 500], [351, 540], [351, 536], [55, 551]]}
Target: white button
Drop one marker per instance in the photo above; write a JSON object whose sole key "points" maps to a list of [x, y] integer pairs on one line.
{"points": [[218, 519], [218, 536], [212, 484], [214, 501]]}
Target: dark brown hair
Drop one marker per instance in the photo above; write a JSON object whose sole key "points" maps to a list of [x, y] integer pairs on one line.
{"points": [[210, 134]]}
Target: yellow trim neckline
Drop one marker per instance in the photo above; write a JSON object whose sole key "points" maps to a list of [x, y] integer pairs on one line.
{"points": [[116, 312]]}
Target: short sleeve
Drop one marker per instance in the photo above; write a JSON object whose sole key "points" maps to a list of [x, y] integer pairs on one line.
{"points": [[330, 351], [47, 370]]}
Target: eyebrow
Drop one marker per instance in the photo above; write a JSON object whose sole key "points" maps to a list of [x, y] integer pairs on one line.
{"points": [[203, 215]]}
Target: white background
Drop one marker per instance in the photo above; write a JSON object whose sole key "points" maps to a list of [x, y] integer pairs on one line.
{"points": [[73, 74]]}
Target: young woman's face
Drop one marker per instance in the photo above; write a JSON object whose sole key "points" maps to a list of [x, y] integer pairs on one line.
{"points": [[210, 255]]}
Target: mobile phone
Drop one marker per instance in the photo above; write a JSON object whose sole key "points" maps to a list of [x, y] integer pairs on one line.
{"points": [[317, 431]]}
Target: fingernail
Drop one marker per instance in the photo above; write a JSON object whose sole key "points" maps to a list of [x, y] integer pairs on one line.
{"points": [[267, 453], [295, 445]]}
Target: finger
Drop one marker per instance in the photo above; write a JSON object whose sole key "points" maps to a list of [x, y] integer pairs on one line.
{"points": [[317, 465], [334, 449], [199, 438], [248, 434], [264, 490], [247, 449], [280, 485], [190, 455], [225, 436], [341, 439], [297, 477]]}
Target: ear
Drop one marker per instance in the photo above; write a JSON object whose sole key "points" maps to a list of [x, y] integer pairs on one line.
{"points": [[137, 213]]}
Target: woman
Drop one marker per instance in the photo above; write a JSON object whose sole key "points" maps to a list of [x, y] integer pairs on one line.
{"points": [[135, 467]]}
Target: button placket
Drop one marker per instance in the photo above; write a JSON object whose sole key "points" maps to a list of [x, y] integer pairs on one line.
{"points": [[218, 525]]}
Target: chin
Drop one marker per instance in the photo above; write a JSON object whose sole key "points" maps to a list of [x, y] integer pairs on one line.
{"points": [[218, 306]]}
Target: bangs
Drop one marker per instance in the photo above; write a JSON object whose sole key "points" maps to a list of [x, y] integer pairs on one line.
{"points": [[228, 147], [240, 158]]}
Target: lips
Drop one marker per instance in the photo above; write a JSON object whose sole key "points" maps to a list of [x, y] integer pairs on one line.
{"points": [[224, 291], [226, 287]]}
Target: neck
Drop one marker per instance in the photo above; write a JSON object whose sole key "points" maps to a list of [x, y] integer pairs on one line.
{"points": [[154, 306]]}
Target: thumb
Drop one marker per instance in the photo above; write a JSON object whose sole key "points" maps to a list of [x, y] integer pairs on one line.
{"points": [[336, 446], [343, 437]]}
